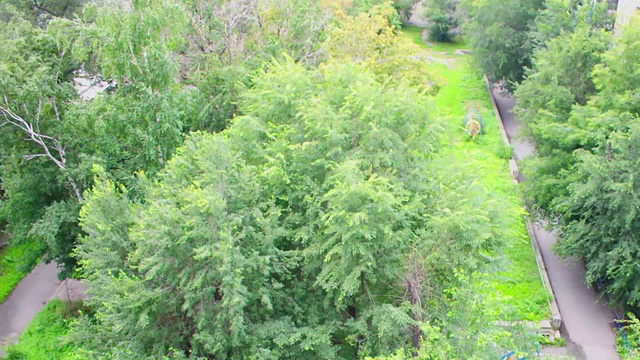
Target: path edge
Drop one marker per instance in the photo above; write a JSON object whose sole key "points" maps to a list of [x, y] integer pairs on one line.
{"points": [[556, 318]]}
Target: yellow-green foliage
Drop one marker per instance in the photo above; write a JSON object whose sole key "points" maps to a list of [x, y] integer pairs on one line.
{"points": [[370, 39]]}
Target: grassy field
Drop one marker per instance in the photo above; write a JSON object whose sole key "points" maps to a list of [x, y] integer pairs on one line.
{"points": [[16, 261], [515, 285], [43, 338]]}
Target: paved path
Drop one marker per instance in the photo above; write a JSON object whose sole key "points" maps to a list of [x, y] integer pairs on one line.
{"points": [[588, 324], [27, 299]]}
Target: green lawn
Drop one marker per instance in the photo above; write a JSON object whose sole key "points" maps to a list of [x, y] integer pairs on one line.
{"points": [[16, 261], [514, 286], [44, 337]]}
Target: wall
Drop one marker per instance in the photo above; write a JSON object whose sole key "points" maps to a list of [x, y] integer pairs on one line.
{"points": [[626, 9]]}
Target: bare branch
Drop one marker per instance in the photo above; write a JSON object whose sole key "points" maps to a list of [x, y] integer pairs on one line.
{"points": [[40, 7], [46, 142], [33, 156]]}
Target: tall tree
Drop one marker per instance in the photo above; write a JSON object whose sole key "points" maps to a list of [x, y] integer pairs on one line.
{"points": [[599, 212], [310, 229], [38, 176], [371, 38], [499, 34], [562, 16], [559, 79]]}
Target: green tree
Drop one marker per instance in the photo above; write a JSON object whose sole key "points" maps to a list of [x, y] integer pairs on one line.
{"points": [[405, 8], [306, 230], [441, 18], [371, 39], [38, 179], [599, 212], [563, 16], [499, 35], [40, 12], [600, 217], [559, 79]]}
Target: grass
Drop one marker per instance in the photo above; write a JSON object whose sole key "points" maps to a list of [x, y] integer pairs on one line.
{"points": [[515, 285], [16, 261], [44, 337]]}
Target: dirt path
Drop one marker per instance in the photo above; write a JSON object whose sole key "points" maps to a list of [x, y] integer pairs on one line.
{"points": [[28, 298], [588, 324]]}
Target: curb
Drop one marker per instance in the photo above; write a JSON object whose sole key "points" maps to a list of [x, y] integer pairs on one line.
{"points": [[556, 318]]}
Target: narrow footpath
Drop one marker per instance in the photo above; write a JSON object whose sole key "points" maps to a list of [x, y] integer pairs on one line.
{"points": [[26, 300], [587, 323]]}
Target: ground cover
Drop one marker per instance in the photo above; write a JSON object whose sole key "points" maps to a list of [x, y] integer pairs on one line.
{"points": [[16, 261], [515, 286], [44, 337], [629, 342]]}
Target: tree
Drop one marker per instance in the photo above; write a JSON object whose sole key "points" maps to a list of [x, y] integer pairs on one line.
{"points": [[599, 212], [40, 12], [37, 175], [371, 39], [558, 17], [499, 34], [441, 18], [310, 229], [167, 77], [559, 79], [405, 8]]}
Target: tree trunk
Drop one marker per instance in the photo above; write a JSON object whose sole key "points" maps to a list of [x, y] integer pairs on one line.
{"points": [[415, 298]]}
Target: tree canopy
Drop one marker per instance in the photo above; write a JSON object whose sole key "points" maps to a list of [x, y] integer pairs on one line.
{"points": [[258, 179], [499, 35], [600, 208], [315, 227], [578, 100]]}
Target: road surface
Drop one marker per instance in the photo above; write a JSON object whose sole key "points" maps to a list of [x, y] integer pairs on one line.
{"points": [[26, 300], [587, 323]]}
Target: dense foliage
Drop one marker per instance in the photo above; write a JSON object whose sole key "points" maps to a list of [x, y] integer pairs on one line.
{"points": [[260, 179], [505, 36], [499, 35], [172, 72], [578, 100], [560, 79], [441, 18], [315, 227], [600, 209]]}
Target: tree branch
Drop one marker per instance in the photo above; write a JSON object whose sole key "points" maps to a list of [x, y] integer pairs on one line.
{"points": [[46, 142], [40, 7]]}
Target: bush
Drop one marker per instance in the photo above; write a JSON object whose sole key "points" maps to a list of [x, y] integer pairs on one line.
{"points": [[504, 152], [440, 28]]}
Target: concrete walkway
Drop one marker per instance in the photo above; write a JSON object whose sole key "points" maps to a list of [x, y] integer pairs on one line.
{"points": [[587, 323], [26, 300]]}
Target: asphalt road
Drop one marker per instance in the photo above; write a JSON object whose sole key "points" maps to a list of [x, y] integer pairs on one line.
{"points": [[27, 299], [587, 323]]}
